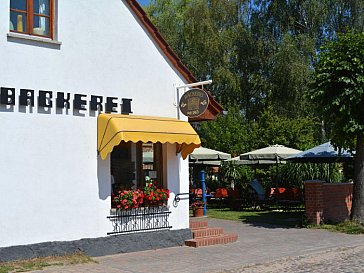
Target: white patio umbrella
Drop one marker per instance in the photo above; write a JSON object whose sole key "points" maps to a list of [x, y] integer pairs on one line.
{"points": [[239, 161], [205, 154], [269, 155], [273, 154]]}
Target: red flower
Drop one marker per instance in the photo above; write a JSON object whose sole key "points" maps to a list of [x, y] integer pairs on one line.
{"points": [[129, 199]]}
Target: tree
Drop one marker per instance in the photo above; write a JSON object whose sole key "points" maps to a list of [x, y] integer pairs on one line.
{"points": [[230, 132], [338, 91], [234, 134], [272, 128], [260, 55]]}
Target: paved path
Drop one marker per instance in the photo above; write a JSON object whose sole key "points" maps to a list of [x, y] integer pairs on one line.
{"points": [[334, 260], [259, 249]]}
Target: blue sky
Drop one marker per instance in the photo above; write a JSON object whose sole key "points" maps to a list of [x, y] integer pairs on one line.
{"points": [[143, 2]]}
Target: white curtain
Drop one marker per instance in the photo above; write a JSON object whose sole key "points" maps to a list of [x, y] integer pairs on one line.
{"points": [[43, 7]]}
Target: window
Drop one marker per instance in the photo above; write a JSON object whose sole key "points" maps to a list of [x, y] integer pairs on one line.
{"points": [[149, 163], [133, 163], [33, 17]]}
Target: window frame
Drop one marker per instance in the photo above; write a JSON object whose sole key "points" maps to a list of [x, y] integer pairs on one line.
{"points": [[157, 164], [30, 14]]}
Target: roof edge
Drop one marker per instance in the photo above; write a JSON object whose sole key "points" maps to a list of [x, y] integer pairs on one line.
{"points": [[162, 43], [214, 107]]}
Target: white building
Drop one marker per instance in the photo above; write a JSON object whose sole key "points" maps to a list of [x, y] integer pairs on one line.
{"points": [[62, 61]]}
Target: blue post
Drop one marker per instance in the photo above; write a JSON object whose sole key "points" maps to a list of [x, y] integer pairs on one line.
{"points": [[202, 179]]}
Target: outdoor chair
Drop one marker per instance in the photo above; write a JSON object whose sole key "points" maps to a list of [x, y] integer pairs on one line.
{"points": [[195, 194], [286, 198], [256, 196], [221, 194]]}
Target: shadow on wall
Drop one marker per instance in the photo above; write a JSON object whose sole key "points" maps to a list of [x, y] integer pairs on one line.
{"points": [[104, 177], [337, 201], [24, 40]]}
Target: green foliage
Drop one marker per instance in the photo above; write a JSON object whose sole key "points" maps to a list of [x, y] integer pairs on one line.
{"points": [[338, 87], [338, 91], [296, 133], [261, 56], [259, 53], [234, 134], [225, 41], [240, 174], [229, 133], [294, 174]]}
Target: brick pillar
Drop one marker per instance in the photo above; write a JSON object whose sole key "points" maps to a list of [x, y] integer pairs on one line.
{"points": [[314, 201]]}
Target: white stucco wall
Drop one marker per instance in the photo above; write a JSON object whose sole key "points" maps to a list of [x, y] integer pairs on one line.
{"points": [[53, 184]]}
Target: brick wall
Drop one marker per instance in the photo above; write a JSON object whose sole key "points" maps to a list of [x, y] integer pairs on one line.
{"points": [[327, 202]]}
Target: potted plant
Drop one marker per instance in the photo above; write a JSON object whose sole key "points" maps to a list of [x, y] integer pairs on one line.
{"points": [[197, 208]]}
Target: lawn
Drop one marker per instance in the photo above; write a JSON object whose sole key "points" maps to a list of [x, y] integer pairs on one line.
{"points": [[348, 227], [274, 217], [259, 217]]}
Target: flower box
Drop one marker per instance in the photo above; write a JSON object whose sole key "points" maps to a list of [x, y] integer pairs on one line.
{"points": [[150, 196]]}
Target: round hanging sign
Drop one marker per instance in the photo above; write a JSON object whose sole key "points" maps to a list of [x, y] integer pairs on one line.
{"points": [[194, 102]]}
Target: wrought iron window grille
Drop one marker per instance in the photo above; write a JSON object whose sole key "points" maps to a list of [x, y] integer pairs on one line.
{"points": [[139, 220]]}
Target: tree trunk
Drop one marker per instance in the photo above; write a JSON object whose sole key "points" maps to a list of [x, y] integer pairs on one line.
{"points": [[358, 15], [357, 211]]}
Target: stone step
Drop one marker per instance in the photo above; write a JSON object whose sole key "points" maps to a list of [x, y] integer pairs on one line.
{"points": [[206, 232], [198, 224], [213, 240]]}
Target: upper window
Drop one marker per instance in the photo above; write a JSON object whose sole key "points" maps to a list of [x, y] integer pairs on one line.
{"points": [[33, 17]]}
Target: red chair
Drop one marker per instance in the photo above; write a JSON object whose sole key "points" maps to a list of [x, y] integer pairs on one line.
{"points": [[221, 193]]}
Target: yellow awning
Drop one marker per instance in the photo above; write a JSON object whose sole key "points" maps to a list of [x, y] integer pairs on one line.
{"points": [[113, 128]]}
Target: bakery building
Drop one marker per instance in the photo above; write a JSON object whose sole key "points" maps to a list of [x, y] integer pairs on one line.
{"points": [[89, 95]]}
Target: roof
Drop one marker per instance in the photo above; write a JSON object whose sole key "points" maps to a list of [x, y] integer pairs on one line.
{"points": [[214, 107]]}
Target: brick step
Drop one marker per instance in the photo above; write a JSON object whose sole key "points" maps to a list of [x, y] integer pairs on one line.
{"points": [[206, 232], [198, 224], [213, 240]]}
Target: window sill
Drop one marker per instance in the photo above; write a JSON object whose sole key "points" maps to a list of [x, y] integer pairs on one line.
{"points": [[33, 38]]}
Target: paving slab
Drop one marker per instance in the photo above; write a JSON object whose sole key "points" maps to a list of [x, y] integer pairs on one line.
{"points": [[257, 245]]}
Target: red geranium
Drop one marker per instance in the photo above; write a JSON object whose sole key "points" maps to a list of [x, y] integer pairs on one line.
{"points": [[149, 196]]}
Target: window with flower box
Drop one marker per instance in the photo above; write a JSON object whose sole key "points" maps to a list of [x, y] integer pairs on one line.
{"points": [[134, 166], [32, 17]]}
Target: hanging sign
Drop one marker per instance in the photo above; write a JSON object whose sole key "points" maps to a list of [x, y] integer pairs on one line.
{"points": [[194, 102]]}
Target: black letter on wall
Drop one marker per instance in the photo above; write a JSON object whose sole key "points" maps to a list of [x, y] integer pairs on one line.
{"points": [[26, 97], [110, 105], [96, 102], [7, 96], [126, 106], [45, 99], [78, 102], [62, 102]]}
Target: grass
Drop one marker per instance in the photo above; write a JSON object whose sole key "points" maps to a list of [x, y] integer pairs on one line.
{"points": [[259, 217], [287, 219], [348, 227], [41, 263]]}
